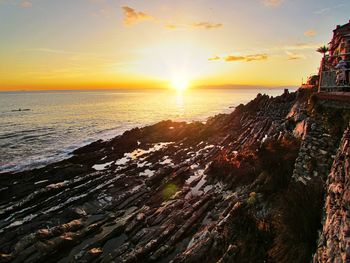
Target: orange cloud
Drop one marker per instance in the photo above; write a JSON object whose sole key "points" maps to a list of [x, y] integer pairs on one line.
{"points": [[231, 58], [206, 25], [197, 25], [272, 3], [214, 58], [25, 3], [246, 58], [131, 16], [310, 33], [171, 26]]}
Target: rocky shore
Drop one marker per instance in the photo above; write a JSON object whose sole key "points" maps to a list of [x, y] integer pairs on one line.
{"points": [[243, 187]]}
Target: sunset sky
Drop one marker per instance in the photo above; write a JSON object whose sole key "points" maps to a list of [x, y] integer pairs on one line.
{"points": [[50, 44]]}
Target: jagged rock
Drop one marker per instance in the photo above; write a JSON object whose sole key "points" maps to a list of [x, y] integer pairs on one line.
{"points": [[174, 191], [334, 245]]}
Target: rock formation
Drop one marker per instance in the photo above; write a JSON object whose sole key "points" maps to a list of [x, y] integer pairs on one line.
{"points": [[334, 243], [230, 190]]}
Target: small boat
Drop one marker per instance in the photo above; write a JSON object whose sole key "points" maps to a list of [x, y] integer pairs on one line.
{"points": [[21, 110]]}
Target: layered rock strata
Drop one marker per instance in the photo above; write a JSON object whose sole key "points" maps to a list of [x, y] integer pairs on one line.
{"points": [[170, 192]]}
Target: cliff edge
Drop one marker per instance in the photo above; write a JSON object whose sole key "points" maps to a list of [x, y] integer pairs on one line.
{"points": [[334, 243]]}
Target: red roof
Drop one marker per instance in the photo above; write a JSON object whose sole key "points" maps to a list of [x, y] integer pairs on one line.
{"points": [[341, 29]]}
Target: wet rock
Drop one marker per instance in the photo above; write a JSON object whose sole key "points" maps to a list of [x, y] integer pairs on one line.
{"points": [[103, 204]]}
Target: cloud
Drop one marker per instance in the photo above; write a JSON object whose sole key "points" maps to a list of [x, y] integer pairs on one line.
{"points": [[328, 9], [171, 26], [19, 3], [197, 25], [206, 25], [310, 33], [131, 16], [231, 58], [272, 3], [214, 58], [26, 3], [294, 56], [246, 58]]}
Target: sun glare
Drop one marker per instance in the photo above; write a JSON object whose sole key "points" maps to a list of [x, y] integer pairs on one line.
{"points": [[179, 84]]}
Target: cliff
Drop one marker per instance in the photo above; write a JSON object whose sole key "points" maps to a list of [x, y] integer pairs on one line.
{"points": [[243, 187], [334, 245]]}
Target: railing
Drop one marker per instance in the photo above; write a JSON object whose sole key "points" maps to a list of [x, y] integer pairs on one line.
{"points": [[328, 78], [328, 82], [338, 55]]}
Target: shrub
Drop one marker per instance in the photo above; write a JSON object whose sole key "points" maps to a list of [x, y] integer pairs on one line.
{"points": [[251, 201], [297, 222], [277, 160], [234, 170]]}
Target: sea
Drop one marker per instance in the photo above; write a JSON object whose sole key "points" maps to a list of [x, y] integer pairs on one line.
{"points": [[39, 127]]}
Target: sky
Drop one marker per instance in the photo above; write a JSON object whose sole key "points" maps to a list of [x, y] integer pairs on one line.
{"points": [[83, 44]]}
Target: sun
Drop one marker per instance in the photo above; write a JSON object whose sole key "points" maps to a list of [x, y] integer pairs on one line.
{"points": [[179, 83]]}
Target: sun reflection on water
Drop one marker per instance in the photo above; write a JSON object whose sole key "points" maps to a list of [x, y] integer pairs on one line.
{"points": [[61, 121], [180, 102]]}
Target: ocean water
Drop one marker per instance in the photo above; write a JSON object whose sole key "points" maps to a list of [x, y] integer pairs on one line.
{"points": [[60, 121]]}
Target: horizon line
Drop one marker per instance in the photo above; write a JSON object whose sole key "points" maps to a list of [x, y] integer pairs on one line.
{"points": [[223, 86]]}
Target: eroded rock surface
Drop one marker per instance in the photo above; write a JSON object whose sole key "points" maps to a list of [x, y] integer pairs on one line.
{"points": [[334, 244], [172, 192]]}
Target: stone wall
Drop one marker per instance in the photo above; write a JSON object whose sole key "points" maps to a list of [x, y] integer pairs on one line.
{"points": [[336, 100], [318, 146], [334, 242], [316, 153]]}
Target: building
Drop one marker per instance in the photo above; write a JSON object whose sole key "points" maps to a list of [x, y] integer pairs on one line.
{"points": [[335, 67], [311, 82], [340, 43]]}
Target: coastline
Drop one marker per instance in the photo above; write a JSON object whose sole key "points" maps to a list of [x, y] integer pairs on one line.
{"points": [[181, 192], [26, 148]]}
